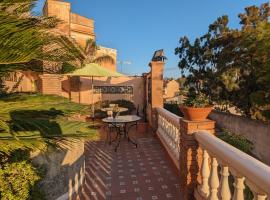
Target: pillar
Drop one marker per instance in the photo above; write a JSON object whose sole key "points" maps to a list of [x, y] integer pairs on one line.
{"points": [[191, 155], [157, 68], [51, 84]]}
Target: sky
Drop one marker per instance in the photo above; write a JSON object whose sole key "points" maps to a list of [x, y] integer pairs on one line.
{"points": [[136, 28]]}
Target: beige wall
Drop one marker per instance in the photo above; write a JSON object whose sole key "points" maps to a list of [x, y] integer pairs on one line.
{"points": [[85, 93], [26, 82], [171, 89], [101, 51], [61, 10], [81, 29], [78, 27]]}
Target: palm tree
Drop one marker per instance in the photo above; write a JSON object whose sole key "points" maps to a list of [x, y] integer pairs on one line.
{"points": [[24, 38], [91, 54]]}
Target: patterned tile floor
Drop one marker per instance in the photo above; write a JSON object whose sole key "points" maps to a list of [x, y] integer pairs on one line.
{"points": [[144, 173]]}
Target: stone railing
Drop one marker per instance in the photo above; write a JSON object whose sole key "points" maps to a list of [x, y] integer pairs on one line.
{"points": [[169, 133], [246, 171]]}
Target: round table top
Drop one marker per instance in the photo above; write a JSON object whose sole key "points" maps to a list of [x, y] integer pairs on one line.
{"points": [[122, 119], [120, 109]]}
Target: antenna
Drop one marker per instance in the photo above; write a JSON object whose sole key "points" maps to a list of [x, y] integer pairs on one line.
{"points": [[126, 62]]}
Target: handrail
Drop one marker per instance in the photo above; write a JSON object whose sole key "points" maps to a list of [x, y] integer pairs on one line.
{"points": [[171, 116], [169, 133], [255, 172]]}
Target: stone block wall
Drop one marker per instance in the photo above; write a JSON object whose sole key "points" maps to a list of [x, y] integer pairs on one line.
{"points": [[255, 131], [65, 170]]}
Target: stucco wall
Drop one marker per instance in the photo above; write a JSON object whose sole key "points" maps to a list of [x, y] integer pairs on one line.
{"points": [[84, 95], [26, 82], [61, 10], [171, 89], [65, 170], [103, 51], [257, 132]]}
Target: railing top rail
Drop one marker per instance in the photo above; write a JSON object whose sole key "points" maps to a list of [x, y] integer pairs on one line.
{"points": [[170, 116], [255, 171]]}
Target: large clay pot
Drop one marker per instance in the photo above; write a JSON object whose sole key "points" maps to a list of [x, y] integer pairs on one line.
{"points": [[196, 114]]}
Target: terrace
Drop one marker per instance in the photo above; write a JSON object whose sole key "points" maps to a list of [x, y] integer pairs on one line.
{"points": [[54, 142], [175, 159]]}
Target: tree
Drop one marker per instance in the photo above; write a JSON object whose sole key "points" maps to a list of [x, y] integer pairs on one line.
{"points": [[232, 65], [24, 38]]}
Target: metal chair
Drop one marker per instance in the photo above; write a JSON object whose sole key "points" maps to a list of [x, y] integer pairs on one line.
{"points": [[111, 127]]}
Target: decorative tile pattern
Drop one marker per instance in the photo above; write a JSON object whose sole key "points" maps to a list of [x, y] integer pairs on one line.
{"points": [[129, 174]]}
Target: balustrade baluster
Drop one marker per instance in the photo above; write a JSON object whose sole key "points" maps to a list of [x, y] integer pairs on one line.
{"points": [[225, 192], [257, 193], [214, 181], [204, 189], [239, 187], [259, 196]]}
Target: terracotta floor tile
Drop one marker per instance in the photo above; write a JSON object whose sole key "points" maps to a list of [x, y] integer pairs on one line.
{"points": [[140, 174]]}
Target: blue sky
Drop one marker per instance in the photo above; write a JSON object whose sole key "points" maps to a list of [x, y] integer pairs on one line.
{"points": [[136, 28]]}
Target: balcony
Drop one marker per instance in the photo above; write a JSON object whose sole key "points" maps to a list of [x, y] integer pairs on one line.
{"points": [[180, 160], [139, 173]]}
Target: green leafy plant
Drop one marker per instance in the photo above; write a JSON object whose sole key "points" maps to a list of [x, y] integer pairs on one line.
{"points": [[16, 180], [238, 141], [197, 100], [173, 108], [231, 65]]}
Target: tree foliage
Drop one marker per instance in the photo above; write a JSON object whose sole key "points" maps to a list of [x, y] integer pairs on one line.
{"points": [[25, 38], [232, 65]]}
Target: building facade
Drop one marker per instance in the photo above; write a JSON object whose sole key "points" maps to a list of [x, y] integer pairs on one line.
{"points": [[171, 89], [81, 29]]}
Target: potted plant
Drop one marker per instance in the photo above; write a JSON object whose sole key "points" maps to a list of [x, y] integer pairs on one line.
{"points": [[196, 107]]}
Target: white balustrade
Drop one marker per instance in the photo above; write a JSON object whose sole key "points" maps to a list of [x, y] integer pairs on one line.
{"points": [[204, 188], [246, 171], [214, 181], [225, 192], [169, 133]]}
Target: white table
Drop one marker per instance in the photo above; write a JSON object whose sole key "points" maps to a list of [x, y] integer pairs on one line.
{"points": [[125, 122]]}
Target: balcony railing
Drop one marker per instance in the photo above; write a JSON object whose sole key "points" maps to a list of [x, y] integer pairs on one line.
{"points": [[245, 170], [221, 163], [169, 133]]}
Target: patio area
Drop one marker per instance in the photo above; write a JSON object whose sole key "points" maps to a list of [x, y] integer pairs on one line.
{"points": [[130, 173]]}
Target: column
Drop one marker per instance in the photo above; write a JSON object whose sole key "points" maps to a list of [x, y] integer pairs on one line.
{"points": [[191, 155]]}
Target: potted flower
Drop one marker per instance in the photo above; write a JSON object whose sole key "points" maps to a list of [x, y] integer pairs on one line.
{"points": [[196, 107]]}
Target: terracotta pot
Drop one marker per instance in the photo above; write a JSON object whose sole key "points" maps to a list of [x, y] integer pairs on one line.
{"points": [[196, 114]]}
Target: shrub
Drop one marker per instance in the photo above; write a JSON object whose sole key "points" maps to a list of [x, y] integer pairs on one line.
{"points": [[197, 100], [237, 141], [16, 180], [173, 108]]}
